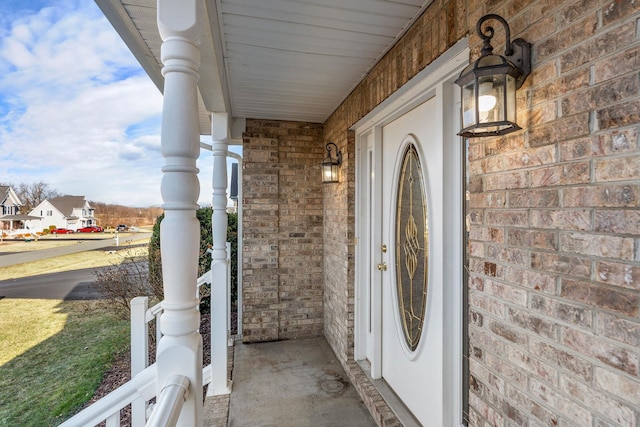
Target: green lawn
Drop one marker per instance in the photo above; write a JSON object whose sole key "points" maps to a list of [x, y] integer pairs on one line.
{"points": [[53, 355]]}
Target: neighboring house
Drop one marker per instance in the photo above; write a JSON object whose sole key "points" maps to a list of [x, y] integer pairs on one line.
{"points": [[520, 252], [71, 212], [10, 205]]}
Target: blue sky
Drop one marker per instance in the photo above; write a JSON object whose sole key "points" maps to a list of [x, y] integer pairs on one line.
{"points": [[76, 109]]}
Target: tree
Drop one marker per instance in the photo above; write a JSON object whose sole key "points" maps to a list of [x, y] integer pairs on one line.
{"points": [[33, 194]]}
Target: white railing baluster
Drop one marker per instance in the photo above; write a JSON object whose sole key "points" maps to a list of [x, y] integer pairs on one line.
{"points": [[114, 420], [229, 339], [139, 353]]}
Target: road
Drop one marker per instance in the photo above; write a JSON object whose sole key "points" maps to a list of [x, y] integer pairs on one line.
{"points": [[69, 285], [81, 246]]}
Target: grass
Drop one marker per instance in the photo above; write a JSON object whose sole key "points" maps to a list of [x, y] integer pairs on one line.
{"points": [[53, 356], [54, 353], [89, 259]]}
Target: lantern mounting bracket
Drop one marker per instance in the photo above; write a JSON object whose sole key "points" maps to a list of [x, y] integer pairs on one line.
{"points": [[518, 51]]}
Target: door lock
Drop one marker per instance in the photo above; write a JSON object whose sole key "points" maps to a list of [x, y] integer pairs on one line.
{"points": [[384, 249], [382, 266]]}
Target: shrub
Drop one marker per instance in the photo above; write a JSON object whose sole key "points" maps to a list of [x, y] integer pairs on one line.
{"points": [[204, 260], [120, 283]]}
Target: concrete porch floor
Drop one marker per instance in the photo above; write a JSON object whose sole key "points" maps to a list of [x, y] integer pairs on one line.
{"points": [[292, 383]]}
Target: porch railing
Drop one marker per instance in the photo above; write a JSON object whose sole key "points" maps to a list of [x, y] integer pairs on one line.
{"points": [[142, 387]]}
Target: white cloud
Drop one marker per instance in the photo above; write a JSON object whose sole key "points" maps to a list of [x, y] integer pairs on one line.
{"points": [[76, 110]]}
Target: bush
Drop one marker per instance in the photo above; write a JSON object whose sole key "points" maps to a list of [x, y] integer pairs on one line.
{"points": [[120, 283], [204, 261]]}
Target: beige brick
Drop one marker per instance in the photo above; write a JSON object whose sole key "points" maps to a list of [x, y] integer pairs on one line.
{"points": [[532, 323], [588, 344], [533, 239], [597, 245], [622, 330], [530, 158], [618, 169], [504, 181], [598, 47], [506, 292], [618, 385], [618, 274], [536, 281], [624, 221], [619, 413], [561, 263], [574, 219], [578, 366], [563, 129], [507, 218], [534, 199], [568, 37], [535, 367], [562, 311], [619, 64], [604, 195], [600, 296], [619, 115], [568, 174], [564, 405]]}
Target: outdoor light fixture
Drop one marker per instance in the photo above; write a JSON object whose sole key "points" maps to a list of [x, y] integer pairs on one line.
{"points": [[489, 84], [331, 164]]}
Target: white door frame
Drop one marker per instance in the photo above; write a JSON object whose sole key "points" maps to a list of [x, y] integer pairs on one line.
{"points": [[437, 80]]}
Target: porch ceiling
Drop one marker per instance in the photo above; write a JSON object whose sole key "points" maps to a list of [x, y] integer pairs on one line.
{"points": [[274, 59]]}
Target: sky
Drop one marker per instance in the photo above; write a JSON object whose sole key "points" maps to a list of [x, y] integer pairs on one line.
{"points": [[76, 109]]}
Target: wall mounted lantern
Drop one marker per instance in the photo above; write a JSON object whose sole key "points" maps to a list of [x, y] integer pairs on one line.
{"points": [[489, 84], [331, 164]]}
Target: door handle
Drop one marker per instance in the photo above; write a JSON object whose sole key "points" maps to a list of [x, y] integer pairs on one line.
{"points": [[382, 266]]}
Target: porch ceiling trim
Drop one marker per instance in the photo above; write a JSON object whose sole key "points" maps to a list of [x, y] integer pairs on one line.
{"points": [[274, 59]]}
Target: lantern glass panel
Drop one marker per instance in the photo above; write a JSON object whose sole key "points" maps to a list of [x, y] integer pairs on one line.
{"points": [[511, 98], [468, 104], [491, 98]]}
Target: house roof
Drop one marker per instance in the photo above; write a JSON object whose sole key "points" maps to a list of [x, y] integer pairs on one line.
{"points": [[66, 204], [7, 192], [274, 59]]}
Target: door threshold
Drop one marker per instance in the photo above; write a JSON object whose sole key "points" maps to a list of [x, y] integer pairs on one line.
{"points": [[395, 403]]}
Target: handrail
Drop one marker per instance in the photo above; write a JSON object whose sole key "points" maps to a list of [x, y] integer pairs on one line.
{"points": [[143, 385], [173, 395]]}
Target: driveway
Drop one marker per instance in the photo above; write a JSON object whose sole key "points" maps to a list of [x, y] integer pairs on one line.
{"points": [[67, 285]]}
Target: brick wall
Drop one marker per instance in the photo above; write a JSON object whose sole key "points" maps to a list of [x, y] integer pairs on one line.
{"points": [[554, 237], [554, 285], [282, 227], [555, 279]]}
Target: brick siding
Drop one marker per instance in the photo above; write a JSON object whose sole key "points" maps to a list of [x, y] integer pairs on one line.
{"points": [[554, 224], [554, 326], [282, 231]]}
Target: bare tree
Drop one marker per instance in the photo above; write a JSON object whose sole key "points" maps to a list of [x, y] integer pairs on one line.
{"points": [[33, 194]]}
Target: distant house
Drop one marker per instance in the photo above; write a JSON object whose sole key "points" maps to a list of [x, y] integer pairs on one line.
{"points": [[10, 205], [71, 212]]}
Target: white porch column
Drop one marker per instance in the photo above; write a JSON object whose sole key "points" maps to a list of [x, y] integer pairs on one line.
{"points": [[220, 383], [180, 349]]}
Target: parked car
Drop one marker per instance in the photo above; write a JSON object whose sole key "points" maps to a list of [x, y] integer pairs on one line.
{"points": [[121, 227], [62, 231], [90, 229]]}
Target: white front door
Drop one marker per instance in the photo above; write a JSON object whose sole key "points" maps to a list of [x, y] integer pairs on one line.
{"points": [[409, 263], [412, 284]]}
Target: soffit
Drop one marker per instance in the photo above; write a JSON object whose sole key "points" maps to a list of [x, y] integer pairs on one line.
{"points": [[274, 59]]}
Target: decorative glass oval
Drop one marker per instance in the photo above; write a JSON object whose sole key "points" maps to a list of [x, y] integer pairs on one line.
{"points": [[412, 247]]}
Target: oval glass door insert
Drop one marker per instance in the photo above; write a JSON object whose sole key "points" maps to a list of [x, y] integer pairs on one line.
{"points": [[412, 247]]}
